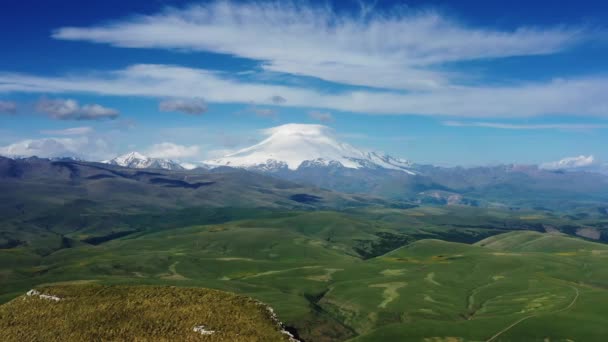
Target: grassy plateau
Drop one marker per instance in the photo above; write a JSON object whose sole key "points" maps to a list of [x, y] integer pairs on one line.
{"points": [[371, 275]]}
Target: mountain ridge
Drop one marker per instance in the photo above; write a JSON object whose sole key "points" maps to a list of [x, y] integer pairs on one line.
{"points": [[136, 160]]}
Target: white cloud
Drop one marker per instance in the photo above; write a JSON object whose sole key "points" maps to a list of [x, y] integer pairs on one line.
{"points": [[325, 117], [68, 109], [170, 150], [189, 166], [188, 106], [571, 163], [218, 153], [498, 125], [82, 147], [583, 96], [397, 48], [69, 131], [8, 107]]}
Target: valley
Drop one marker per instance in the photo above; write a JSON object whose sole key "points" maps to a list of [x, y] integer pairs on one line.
{"points": [[365, 274], [334, 266]]}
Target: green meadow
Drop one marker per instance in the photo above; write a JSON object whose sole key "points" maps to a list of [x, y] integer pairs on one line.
{"points": [[371, 274]]}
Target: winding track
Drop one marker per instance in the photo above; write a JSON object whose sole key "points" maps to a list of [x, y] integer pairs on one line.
{"points": [[525, 318]]}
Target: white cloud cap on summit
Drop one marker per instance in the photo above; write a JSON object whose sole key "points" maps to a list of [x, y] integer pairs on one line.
{"points": [[291, 145]]}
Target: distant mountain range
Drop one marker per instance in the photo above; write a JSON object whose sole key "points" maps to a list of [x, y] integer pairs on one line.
{"points": [[312, 155], [288, 147], [137, 160]]}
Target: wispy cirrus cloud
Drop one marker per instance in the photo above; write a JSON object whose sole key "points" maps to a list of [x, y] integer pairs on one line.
{"points": [[577, 96], [498, 125], [194, 106], [171, 150], [68, 109], [396, 48], [324, 117], [265, 112], [69, 131]]}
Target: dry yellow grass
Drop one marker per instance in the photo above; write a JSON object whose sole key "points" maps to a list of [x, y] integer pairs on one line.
{"points": [[136, 313]]}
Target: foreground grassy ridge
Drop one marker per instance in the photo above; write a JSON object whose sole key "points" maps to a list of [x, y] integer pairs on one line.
{"points": [[142, 313], [312, 268]]}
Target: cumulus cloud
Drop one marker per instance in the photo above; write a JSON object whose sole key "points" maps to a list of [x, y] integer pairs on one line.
{"points": [[395, 48], [571, 163], [69, 131], [82, 147], [68, 109], [498, 125], [170, 150], [582, 96], [325, 117], [188, 106], [8, 107]]}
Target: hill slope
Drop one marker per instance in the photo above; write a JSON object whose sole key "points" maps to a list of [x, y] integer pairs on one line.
{"points": [[428, 290], [538, 242], [142, 313], [44, 200]]}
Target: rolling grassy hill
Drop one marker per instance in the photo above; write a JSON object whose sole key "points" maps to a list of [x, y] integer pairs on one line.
{"points": [[88, 312], [442, 291], [335, 267], [537, 242], [427, 290], [51, 205]]}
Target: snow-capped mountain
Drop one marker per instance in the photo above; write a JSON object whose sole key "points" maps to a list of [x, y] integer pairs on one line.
{"points": [[294, 146], [139, 161]]}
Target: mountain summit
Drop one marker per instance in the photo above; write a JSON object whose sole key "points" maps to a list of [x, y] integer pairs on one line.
{"points": [[292, 146], [137, 160]]}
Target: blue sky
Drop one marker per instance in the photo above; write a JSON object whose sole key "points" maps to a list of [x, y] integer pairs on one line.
{"points": [[443, 82]]}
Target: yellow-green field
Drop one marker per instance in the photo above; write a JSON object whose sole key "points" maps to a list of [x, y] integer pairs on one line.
{"points": [[136, 313]]}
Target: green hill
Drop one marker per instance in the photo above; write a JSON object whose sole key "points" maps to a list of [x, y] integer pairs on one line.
{"points": [[333, 270], [539, 242], [428, 290], [139, 313]]}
